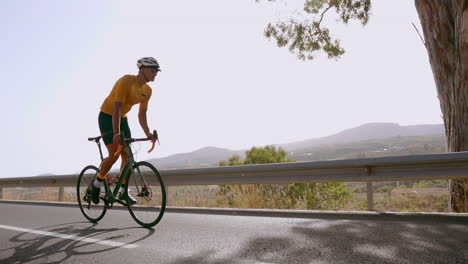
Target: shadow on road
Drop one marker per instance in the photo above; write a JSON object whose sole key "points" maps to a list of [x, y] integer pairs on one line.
{"points": [[36, 248], [349, 241]]}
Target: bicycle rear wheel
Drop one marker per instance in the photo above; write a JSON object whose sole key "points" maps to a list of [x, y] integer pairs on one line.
{"points": [[92, 212], [146, 185]]}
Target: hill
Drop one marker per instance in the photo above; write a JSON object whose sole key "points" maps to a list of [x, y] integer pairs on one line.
{"points": [[207, 156], [368, 140], [395, 146], [367, 132]]}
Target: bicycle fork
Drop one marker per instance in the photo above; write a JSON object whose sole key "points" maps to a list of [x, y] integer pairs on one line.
{"points": [[145, 190]]}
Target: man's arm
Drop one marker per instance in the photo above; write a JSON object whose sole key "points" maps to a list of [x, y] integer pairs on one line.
{"points": [[116, 115], [142, 117]]}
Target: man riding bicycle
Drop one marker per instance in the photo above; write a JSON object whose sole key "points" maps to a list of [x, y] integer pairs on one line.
{"points": [[128, 91]]}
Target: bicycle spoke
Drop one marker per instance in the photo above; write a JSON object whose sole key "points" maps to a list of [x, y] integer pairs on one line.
{"points": [[147, 187], [93, 212]]}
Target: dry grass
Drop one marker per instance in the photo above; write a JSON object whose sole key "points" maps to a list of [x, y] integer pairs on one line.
{"points": [[396, 199], [393, 199], [414, 199], [403, 199], [199, 196], [48, 194]]}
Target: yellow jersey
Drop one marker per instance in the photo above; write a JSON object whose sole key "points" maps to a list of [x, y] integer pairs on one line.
{"points": [[128, 91]]}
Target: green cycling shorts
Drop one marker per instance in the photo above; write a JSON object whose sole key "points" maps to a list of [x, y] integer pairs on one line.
{"points": [[105, 126]]}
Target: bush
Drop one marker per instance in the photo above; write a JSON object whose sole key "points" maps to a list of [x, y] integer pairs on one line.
{"points": [[279, 196]]}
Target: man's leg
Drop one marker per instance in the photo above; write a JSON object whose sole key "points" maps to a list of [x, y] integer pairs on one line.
{"points": [[106, 165], [123, 157], [108, 162], [123, 194]]}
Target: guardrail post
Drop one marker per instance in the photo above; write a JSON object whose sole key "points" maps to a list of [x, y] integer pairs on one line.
{"points": [[370, 196], [167, 192], [61, 191], [449, 202], [370, 190]]}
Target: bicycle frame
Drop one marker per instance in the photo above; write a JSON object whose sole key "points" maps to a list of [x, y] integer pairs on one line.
{"points": [[135, 175], [125, 173], [110, 196]]}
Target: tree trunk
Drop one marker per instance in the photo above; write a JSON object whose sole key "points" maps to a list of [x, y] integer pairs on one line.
{"points": [[445, 27]]}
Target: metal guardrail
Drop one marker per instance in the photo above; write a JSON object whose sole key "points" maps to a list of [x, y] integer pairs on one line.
{"points": [[397, 168]]}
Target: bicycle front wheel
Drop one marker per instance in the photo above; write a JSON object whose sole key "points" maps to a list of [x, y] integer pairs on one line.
{"points": [[146, 185], [92, 212]]}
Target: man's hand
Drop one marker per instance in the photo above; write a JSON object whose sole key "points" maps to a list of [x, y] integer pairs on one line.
{"points": [[152, 136], [149, 135], [117, 139]]}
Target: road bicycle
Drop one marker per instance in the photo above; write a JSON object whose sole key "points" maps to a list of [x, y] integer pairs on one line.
{"points": [[143, 180]]}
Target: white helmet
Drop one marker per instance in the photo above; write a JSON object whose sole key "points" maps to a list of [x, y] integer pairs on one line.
{"points": [[148, 62]]}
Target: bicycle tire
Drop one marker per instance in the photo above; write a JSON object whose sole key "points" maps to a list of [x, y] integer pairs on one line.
{"points": [[151, 202], [92, 212]]}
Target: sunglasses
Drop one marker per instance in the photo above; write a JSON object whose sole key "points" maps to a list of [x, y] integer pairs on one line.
{"points": [[154, 70]]}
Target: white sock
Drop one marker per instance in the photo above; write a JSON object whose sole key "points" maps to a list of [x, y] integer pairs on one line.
{"points": [[97, 183]]}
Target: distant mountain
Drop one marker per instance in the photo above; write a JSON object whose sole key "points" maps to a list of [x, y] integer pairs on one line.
{"points": [[368, 131], [367, 139], [207, 156], [371, 148], [46, 174]]}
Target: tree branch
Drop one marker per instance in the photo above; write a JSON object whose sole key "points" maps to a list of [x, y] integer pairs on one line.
{"points": [[420, 35], [321, 17]]}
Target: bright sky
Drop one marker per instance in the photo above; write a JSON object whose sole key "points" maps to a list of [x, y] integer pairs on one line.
{"points": [[223, 83]]}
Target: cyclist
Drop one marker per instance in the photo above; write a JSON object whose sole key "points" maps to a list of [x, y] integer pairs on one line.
{"points": [[128, 91]]}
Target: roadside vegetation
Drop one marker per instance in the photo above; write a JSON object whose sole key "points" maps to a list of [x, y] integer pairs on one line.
{"points": [[414, 196], [430, 196], [281, 196]]}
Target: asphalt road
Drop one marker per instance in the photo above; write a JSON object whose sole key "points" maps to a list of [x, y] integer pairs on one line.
{"points": [[48, 234]]}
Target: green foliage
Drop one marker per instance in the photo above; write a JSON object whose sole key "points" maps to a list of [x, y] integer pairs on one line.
{"points": [[234, 160], [288, 196], [267, 154], [306, 37]]}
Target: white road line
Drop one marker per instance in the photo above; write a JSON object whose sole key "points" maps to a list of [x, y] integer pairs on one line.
{"points": [[71, 237]]}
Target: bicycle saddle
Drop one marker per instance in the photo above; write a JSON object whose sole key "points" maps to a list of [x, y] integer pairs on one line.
{"points": [[95, 139]]}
